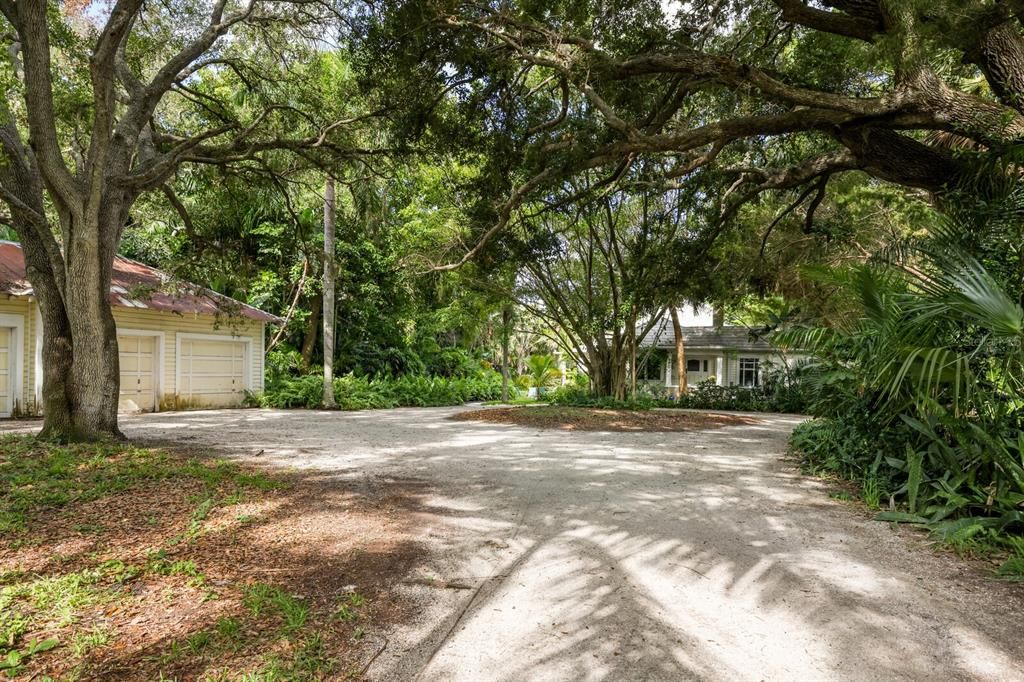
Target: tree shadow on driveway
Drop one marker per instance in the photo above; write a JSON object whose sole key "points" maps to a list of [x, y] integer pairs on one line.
{"points": [[609, 556]]}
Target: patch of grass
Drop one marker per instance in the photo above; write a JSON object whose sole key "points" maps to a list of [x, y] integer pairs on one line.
{"points": [[83, 643], [39, 475], [516, 402], [229, 632], [309, 661], [36, 475], [119, 571], [13, 625], [871, 492], [55, 598], [195, 527], [198, 641], [263, 599], [159, 563], [43, 485], [12, 661], [348, 610]]}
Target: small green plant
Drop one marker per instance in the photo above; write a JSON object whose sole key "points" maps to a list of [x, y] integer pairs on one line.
{"points": [[261, 599], [85, 642], [199, 514], [348, 610], [308, 661], [159, 563], [543, 371], [229, 631], [12, 661], [198, 641], [871, 493]]}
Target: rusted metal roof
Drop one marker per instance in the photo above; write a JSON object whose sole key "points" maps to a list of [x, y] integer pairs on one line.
{"points": [[137, 285]]}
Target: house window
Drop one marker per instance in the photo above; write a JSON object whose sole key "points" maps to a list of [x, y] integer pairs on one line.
{"points": [[750, 371], [650, 370], [693, 365], [705, 365]]}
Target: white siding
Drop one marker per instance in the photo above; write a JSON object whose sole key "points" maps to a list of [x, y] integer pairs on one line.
{"points": [[22, 307], [172, 324]]}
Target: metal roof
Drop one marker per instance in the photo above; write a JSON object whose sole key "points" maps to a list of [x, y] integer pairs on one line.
{"points": [[727, 337], [137, 285]]}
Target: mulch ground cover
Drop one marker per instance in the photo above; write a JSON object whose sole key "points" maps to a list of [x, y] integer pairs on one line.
{"points": [[122, 563], [594, 419]]}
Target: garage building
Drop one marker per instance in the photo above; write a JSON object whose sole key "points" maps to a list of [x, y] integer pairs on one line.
{"points": [[180, 345]]}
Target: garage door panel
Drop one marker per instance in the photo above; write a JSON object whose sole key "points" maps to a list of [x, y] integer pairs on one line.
{"points": [[137, 358], [215, 384], [6, 399], [212, 371], [128, 363], [215, 349], [219, 368]]}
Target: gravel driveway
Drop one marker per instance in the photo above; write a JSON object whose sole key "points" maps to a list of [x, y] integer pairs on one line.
{"points": [[637, 556]]}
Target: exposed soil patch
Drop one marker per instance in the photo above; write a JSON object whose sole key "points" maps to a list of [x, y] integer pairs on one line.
{"points": [[591, 419], [199, 570]]}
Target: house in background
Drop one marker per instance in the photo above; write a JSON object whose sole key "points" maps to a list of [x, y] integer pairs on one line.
{"points": [[727, 354], [180, 345]]}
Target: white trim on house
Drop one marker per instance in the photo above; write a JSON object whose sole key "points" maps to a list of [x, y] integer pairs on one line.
{"points": [[158, 366], [39, 357], [247, 340], [15, 361]]}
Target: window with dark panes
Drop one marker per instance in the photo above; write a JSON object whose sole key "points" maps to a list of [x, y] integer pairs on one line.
{"points": [[650, 370], [750, 372]]}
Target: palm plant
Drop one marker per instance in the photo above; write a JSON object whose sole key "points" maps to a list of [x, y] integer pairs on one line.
{"points": [[925, 388], [543, 371]]}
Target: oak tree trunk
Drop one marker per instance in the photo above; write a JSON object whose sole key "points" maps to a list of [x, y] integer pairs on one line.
{"points": [[677, 331], [95, 367], [56, 346]]}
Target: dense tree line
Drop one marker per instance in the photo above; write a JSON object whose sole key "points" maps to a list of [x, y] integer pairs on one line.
{"points": [[485, 154]]}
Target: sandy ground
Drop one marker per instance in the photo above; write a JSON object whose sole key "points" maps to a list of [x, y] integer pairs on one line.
{"points": [[637, 556]]}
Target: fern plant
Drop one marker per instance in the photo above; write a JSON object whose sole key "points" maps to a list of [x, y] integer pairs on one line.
{"points": [[923, 391]]}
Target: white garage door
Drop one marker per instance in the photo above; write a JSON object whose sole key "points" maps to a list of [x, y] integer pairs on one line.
{"points": [[212, 372], [6, 380], [137, 356]]}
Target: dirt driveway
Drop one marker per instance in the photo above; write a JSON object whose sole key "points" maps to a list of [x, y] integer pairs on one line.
{"points": [[636, 556]]}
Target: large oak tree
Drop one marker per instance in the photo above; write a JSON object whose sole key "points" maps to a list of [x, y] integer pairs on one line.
{"points": [[106, 102], [746, 96]]}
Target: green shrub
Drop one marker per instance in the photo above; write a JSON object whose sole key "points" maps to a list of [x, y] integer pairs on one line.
{"points": [[576, 396], [920, 397], [774, 397], [364, 393]]}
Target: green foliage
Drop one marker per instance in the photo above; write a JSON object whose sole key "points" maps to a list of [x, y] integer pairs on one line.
{"points": [[707, 395], [362, 393], [542, 371], [262, 599], [576, 396], [921, 394], [778, 395]]}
